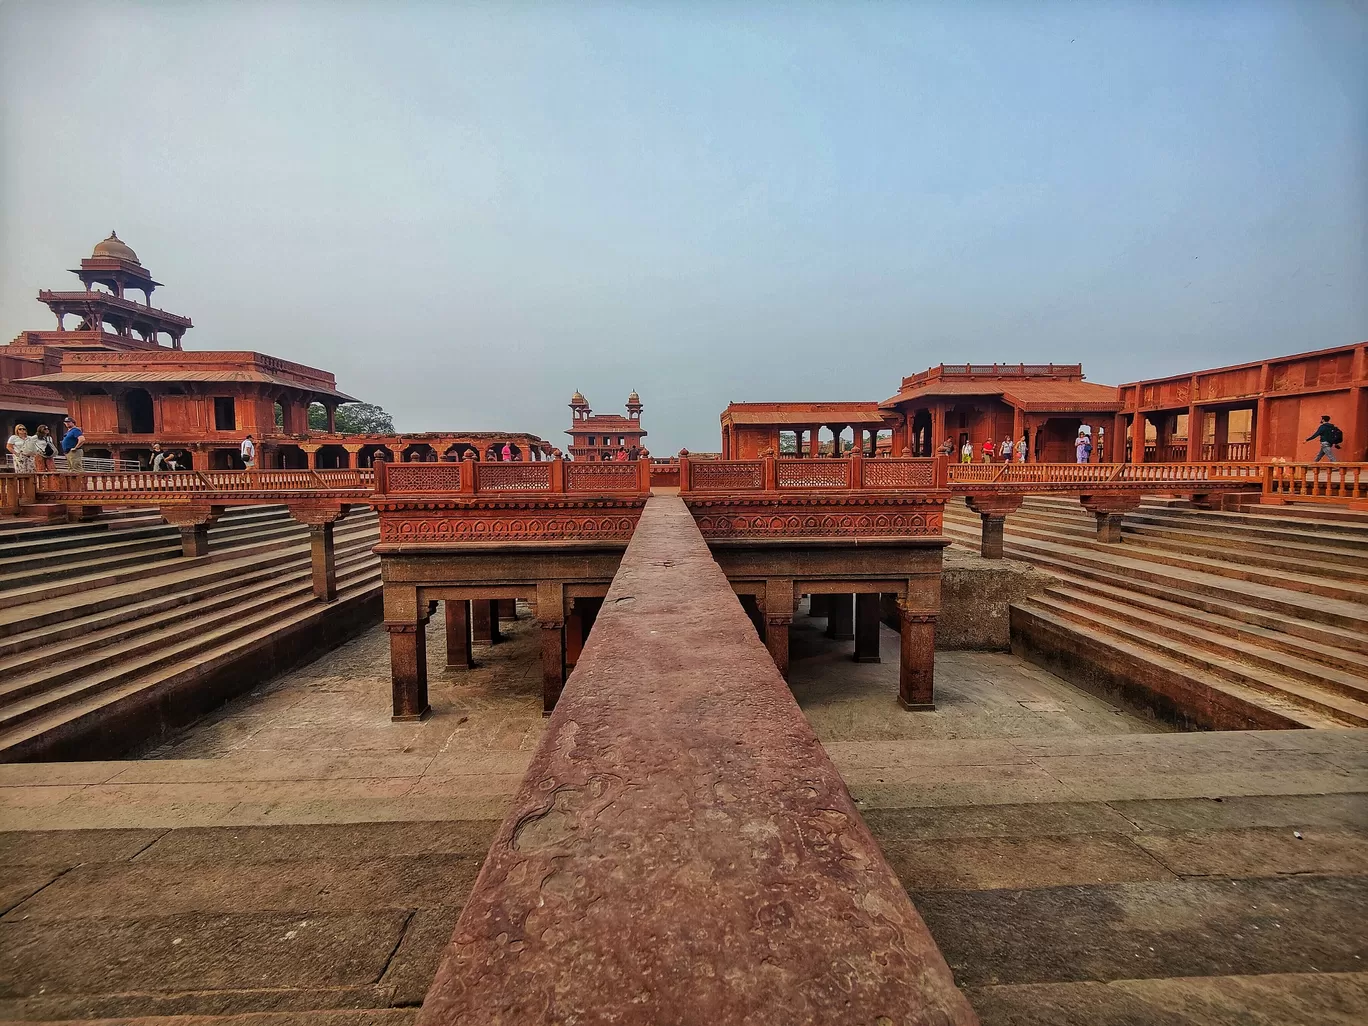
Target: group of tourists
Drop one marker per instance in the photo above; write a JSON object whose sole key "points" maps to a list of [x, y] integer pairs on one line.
{"points": [[1005, 452], [36, 453]]}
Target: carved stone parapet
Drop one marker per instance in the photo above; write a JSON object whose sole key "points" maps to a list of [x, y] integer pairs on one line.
{"points": [[780, 516], [511, 519]]}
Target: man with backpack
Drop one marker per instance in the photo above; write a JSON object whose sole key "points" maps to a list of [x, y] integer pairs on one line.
{"points": [[1330, 438]]}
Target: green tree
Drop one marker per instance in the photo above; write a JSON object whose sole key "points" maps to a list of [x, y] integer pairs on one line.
{"points": [[353, 419]]}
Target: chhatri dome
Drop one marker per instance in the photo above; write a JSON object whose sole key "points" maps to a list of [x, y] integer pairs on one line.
{"points": [[634, 399], [578, 400], [114, 247]]}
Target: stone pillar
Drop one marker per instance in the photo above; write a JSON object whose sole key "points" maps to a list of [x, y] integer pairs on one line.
{"points": [[1110, 510], [480, 621], [867, 627], [840, 617], [916, 659], [408, 669], [814, 447], [320, 517], [323, 556], [1220, 448], [193, 522], [1138, 437], [1196, 424], [817, 605], [778, 619], [551, 624], [993, 511], [459, 656]]}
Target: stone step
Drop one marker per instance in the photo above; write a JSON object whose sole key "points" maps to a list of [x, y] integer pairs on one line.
{"points": [[1322, 564], [1343, 607], [1309, 511], [1219, 653], [37, 570], [169, 604], [134, 661], [1274, 531], [39, 668], [1279, 634], [247, 545], [100, 722], [61, 544], [53, 604], [1098, 659]]}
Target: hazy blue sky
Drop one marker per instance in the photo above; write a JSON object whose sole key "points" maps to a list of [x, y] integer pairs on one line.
{"points": [[467, 214]]}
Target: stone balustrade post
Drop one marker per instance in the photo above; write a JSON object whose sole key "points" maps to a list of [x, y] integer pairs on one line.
{"points": [[1110, 509], [193, 520], [320, 518], [458, 647]]}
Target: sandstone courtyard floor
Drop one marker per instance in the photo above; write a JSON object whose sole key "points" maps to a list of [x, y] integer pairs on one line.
{"points": [[297, 857]]}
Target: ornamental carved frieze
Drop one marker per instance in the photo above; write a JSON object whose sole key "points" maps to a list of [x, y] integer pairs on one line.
{"points": [[503, 521], [812, 517]]}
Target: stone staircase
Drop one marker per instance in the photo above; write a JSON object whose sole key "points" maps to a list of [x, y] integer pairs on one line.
{"points": [[1252, 618], [109, 636]]}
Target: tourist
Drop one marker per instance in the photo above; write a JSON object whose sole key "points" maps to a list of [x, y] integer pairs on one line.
{"points": [[158, 458], [507, 453], [1021, 449], [1330, 437], [620, 456], [1082, 447], [44, 449], [1005, 450], [967, 452], [988, 450], [72, 445], [947, 448], [248, 453], [21, 454], [173, 461]]}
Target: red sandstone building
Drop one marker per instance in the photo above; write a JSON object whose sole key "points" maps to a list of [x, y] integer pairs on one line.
{"points": [[106, 364], [752, 430], [1250, 411], [598, 437]]}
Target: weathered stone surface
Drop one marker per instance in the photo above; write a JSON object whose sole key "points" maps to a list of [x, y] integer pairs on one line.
{"points": [[17, 883], [1040, 820], [168, 888], [413, 966], [343, 840], [197, 952], [1247, 811], [682, 849], [1321, 999], [1264, 852], [1301, 924], [987, 863], [72, 847], [975, 596]]}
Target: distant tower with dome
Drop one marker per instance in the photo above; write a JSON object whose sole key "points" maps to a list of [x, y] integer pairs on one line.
{"points": [[598, 437]]}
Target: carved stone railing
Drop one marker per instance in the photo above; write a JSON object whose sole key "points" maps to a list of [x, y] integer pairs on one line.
{"points": [[603, 478], [1072, 477], [512, 477], [100, 487], [1338, 483], [768, 474], [554, 477]]}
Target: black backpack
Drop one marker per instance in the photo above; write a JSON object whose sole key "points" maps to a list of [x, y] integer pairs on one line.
{"points": [[1336, 435]]}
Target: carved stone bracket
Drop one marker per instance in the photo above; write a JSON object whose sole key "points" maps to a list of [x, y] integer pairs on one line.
{"points": [[316, 513]]}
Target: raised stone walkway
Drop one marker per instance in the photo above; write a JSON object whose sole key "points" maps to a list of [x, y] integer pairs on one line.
{"points": [[682, 849]]}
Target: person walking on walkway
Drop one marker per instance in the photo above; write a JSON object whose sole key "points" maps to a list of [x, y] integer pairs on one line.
{"points": [[967, 452], [21, 455], [248, 453], [988, 450], [44, 449], [1021, 449], [72, 445], [159, 458], [1005, 450], [1330, 437], [1082, 447]]}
